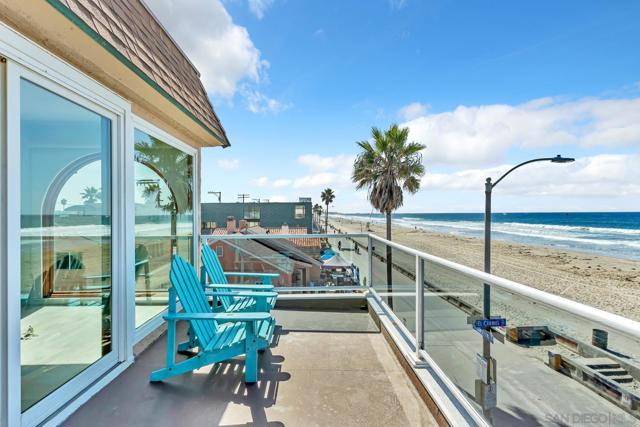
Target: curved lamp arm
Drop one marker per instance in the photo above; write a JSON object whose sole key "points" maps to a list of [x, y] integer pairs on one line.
{"points": [[556, 159]]}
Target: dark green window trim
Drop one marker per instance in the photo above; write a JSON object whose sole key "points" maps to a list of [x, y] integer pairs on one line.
{"points": [[71, 16]]}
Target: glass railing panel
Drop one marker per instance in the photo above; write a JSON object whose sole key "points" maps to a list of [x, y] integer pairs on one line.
{"points": [[548, 353], [394, 272], [451, 298], [552, 367], [302, 261]]}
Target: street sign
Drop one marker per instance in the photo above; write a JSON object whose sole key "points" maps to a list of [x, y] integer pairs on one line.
{"points": [[490, 323], [486, 334]]}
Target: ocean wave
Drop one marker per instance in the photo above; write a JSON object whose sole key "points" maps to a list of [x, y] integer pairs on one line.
{"points": [[619, 240]]}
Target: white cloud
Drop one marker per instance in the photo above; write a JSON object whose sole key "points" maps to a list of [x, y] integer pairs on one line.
{"points": [[325, 171], [280, 183], [228, 164], [262, 181], [604, 175], [259, 7], [316, 162], [278, 198], [319, 33], [413, 110], [482, 135], [257, 102], [221, 50]]}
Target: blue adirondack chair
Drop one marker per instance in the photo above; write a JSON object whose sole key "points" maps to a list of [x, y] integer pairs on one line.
{"points": [[234, 298], [217, 336]]}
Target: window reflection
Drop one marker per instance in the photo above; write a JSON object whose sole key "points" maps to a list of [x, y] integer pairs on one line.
{"points": [[65, 256], [164, 219]]}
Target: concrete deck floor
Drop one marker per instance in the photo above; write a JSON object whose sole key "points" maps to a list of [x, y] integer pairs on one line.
{"points": [[326, 368]]}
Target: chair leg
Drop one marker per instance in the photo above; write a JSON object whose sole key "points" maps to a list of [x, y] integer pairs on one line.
{"points": [[251, 366], [251, 355], [188, 365], [190, 344]]}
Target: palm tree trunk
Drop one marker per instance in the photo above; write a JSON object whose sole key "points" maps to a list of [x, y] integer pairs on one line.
{"points": [[389, 261], [326, 219], [174, 234]]}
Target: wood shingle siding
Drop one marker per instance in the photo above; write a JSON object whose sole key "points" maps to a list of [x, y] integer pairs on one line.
{"points": [[132, 30]]}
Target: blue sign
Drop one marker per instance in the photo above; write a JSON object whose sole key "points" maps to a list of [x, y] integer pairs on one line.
{"points": [[489, 323], [486, 334]]}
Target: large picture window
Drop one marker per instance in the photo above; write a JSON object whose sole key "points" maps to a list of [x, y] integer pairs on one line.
{"points": [[164, 219], [65, 243]]}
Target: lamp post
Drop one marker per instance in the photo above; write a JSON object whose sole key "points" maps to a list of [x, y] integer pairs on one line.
{"points": [[489, 186]]}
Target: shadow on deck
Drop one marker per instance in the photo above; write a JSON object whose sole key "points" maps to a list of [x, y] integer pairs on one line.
{"points": [[326, 368]]}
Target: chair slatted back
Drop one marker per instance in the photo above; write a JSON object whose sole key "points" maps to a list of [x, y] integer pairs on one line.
{"points": [[215, 272], [192, 297]]}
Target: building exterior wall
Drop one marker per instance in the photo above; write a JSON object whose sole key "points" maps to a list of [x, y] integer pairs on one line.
{"points": [[271, 214], [40, 46]]}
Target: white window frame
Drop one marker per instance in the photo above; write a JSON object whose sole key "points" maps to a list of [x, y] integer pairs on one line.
{"points": [[4, 344], [27, 59], [150, 129], [295, 211]]}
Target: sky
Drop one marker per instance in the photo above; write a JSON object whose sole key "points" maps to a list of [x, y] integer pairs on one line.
{"points": [[484, 85]]}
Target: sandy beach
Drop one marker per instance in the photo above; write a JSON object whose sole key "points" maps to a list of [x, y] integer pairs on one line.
{"points": [[606, 283]]}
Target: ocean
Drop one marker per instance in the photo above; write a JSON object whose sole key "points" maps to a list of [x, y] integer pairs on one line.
{"points": [[615, 234]]}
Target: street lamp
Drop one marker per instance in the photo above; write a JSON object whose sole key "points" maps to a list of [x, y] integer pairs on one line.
{"points": [[486, 348], [489, 186]]}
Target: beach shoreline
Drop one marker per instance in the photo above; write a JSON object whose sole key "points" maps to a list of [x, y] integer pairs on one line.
{"points": [[607, 283]]}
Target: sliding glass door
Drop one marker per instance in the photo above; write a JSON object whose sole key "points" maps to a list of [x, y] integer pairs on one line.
{"points": [[65, 238]]}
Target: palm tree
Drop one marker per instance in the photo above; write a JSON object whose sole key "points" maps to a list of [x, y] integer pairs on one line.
{"points": [[317, 211], [90, 195], [174, 168], [63, 202], [386, 168], [327, 196]]}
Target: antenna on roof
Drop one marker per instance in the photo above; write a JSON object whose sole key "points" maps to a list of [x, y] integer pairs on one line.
{"points": [[242, 197], [218, 194]]}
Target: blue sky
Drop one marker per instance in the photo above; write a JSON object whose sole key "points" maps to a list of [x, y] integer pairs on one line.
{"points": [[483, 84]]}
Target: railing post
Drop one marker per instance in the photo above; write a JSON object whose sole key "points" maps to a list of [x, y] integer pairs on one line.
{"points": [[370, 261], [419, 305]]}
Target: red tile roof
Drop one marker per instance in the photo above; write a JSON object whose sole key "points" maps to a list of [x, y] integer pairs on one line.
{"points": [[131, 29], [302, 242]]}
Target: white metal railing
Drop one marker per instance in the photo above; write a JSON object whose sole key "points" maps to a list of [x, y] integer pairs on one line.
{"points": [[621, 324], [618, 323], [615, 324]]}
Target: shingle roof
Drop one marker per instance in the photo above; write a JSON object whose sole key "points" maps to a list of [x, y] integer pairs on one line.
{"points": [[131, 29]]}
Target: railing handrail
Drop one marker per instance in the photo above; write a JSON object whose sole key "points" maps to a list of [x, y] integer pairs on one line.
{"points": [[241, 236], [613, 321], [622, 324]]}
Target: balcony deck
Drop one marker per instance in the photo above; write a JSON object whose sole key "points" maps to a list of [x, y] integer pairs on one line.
{"points": [[325, 368]]}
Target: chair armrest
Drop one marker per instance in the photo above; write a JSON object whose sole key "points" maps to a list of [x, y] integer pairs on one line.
{"points": [[247, 274], [249, 294], [219, 317], [240, 287]]}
